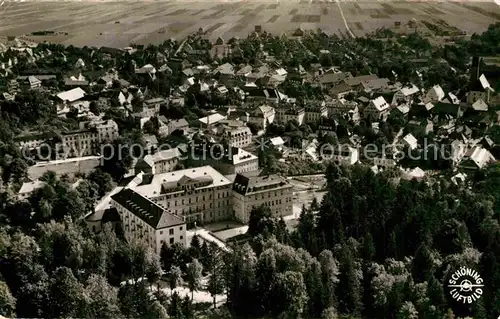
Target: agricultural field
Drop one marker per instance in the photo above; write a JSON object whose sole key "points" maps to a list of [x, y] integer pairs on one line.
{"points": [[118, 24]]}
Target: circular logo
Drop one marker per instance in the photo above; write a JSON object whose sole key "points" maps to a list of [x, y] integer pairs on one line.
{"points": [[466, 285]]}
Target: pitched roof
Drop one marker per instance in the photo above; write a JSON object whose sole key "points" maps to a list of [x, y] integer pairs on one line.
{"points": [[178, 123], [380, 103], [29, 187], [334, 78], [245, 185], [480, 105], [33, 80], [71, 82], [359, 79], [145, 209], [244, 70], [72, 95], [484, 82], [437, 90], [150, 139], [411, 141], [375, 84], [405, 109], [409, 90], [480, 156], [341, 88], [444, 107], [277, 141], [212, 118], [429, 106], [226, 68], [41, 77]]}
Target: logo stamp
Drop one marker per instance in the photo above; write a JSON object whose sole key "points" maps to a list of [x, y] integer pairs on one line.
{"points": [[466, 285]]}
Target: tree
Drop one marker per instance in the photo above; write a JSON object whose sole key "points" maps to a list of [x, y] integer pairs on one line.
{"points": [[195, 247], [89, 193], [261, 221], [174, 255], [103, 180], [216, 282], [305, 229], [368, 247], [33, 298], [175, 306], [136, 302], [62, 244], [69, 203], [194, 276], [349, 289], [16, 171], [329, 313], [187, 307], [103, 298], [242, 281], [290, 294], [7, 301], [50, 178], [153, 268], [330, 274], [174, 277], [314, 204], [95, 108], [315, 289], [66, 294], [408, 311]]}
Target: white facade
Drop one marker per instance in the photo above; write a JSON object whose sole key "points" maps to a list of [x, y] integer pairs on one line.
{"points": [[262, 116], [377, 110], [314, 114], [340, 106], [271, 191], [147, 222], [32, 143], [244, 162], [161, 162], [435, 94], [87, 142], [487, 96], [199, 194], [284, 116], [239, 136]]}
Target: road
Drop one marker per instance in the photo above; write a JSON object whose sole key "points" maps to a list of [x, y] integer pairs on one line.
{"points": [[345, 21]]}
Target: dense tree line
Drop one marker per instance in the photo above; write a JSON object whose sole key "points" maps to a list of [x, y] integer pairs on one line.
{"points": [[376, 247]]}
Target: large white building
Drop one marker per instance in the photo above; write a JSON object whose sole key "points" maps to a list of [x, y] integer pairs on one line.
{"points": [[161, 162], [272, 191], [239, 136], [228, 161], [86, 142], [199, 194], [146, 221]]}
